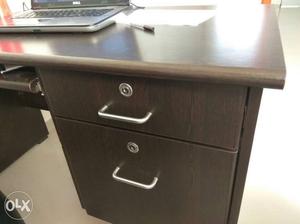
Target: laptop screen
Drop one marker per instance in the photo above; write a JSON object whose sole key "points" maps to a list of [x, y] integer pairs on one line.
{"points": [[38, 4]]}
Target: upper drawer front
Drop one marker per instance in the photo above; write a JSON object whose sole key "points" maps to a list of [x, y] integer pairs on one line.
{"points": [[193, 111], [193, 182]]}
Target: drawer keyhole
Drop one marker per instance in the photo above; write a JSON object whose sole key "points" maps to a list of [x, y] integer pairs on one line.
{"points": [[125, 89], [132, 147]]}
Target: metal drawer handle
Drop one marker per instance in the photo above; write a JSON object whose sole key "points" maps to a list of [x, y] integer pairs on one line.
{"points": [[133, 183], [133, 120]]}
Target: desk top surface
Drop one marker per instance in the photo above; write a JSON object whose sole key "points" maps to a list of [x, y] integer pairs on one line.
{"points": [[231, 46]]}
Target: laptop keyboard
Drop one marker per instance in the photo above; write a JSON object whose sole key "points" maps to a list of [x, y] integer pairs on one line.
{"points": [[64, 13]]}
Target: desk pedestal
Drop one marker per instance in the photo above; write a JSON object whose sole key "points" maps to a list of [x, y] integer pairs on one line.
{"points": [[21, 128]]}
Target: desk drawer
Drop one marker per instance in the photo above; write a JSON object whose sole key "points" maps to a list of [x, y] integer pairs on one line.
{"points": [[194, 182], [192, 111]]}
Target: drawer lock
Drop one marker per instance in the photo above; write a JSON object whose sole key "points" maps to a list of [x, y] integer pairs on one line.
{"points": [[125, 89], [132, 147]]}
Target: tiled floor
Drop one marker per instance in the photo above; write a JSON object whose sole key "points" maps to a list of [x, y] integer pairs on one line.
{"points": [[272, 193], [43, 173]]}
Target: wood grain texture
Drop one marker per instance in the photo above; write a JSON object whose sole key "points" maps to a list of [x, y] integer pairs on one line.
{"points": [[37, 101], [191, 111], [253, 104], [21, 128], [230, 48], [194, 181]]}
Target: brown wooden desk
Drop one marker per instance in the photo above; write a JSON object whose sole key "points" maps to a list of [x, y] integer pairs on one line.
{"points": [[158, 128]]}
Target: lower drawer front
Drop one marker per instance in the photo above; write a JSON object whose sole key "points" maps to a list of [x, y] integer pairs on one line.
{"points": [[194, 182]]}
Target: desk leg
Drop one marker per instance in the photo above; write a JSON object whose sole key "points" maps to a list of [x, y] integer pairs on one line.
{"points": [[20, 129]]}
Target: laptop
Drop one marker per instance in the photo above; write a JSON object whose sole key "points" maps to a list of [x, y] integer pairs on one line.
{"points": [[64, 16]]}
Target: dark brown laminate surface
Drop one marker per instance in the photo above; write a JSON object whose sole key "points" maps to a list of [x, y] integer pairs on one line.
{"points": [[251, 114], [21, 128], [194, 182], [232, 47], [210, 114]]}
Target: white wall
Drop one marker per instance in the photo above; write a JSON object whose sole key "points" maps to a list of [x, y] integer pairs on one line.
{"points": [[16, 5], [287, 2], [174, 2], [190, 2], [290, 2]]}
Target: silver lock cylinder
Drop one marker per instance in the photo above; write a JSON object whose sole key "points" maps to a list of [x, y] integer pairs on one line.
{"points": [[132, 147], [125, 89]]}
